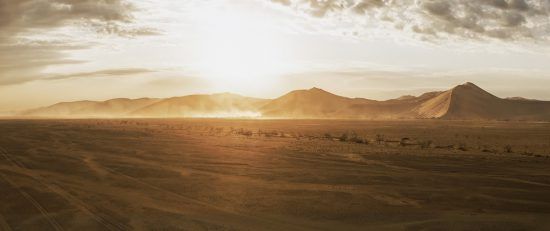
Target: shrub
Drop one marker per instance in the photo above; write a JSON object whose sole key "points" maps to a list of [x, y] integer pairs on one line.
{"points": [[425, 144], [245, 132], [344, 137], [508, 148], [405, 141], [356, 139], [462, 147], [379, 138]]}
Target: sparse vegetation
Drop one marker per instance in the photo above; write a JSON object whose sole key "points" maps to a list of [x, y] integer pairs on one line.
{"points": [[269, 162]]}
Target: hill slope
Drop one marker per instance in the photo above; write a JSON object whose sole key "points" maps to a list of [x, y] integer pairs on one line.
{"points": [[468, 101], [314, 102]]}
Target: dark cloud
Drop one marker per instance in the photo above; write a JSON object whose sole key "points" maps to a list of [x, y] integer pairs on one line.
{"points": [[502, 4], [21, 15], [437, 19], [500, 19], [439, 8], [366, 5], [513, 19], [320, 8], [23, 57], [519, 5]]}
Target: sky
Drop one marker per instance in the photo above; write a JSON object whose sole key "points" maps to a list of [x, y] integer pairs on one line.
{"points": [[67, 50]]}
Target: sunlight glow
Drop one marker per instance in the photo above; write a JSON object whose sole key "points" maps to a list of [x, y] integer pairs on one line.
{"points": [[241, 51]]}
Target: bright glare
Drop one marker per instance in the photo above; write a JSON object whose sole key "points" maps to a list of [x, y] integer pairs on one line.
{"points": [[241, 51]]}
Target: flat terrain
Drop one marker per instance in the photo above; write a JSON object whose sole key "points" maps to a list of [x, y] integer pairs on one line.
{"points": [[199, 174]]}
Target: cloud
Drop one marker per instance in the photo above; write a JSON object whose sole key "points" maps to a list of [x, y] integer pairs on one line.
{"points": [[22, 62], [507, 20], [27, 45], [102, 73], [17, 16]]}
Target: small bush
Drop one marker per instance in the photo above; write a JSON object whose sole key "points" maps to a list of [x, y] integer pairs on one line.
{"points": [[379, 138], [344, 137], [508, 149], [405, 141], [357, 139], [425, 144], [245, 132], [462, 147]]}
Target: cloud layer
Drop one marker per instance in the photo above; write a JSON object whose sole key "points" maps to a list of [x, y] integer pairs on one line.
{"points": [[18, 16], [466, 19], [103, 73], [25, 47]]}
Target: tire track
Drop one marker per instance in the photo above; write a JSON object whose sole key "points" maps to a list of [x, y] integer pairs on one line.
{"points": [[289, 226], [35, 203], [4, 224], [113, 225], [28, 197], [103, 220]]}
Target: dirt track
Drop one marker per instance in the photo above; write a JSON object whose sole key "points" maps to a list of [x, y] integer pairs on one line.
{"points": [[273, 175]]}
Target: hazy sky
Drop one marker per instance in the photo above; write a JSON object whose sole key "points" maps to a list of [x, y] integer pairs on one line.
{"points": [[66, 50]]}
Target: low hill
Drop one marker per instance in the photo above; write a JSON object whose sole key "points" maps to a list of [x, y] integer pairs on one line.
{"points": [[111, 108], [216, 105], [314, 102]]}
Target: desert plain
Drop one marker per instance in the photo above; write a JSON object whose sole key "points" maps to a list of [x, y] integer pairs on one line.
{"points": [[233, 174]]}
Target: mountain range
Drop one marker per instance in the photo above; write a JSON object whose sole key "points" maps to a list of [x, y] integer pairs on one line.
{"points": [[462, 102]]}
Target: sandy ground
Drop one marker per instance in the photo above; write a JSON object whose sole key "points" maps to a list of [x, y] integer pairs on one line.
{"points": [[200, 174]]}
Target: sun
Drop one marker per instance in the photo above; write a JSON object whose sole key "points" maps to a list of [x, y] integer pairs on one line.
{"points": [[241, 51]]}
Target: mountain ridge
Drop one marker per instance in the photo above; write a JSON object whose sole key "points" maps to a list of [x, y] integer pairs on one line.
{"points": [[462, 102]]}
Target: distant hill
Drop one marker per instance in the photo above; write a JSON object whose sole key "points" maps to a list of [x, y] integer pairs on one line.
{"points": [[216, 105], [225, 105], [463, 102], [110, 108], [468, 101], [314, 102]]}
